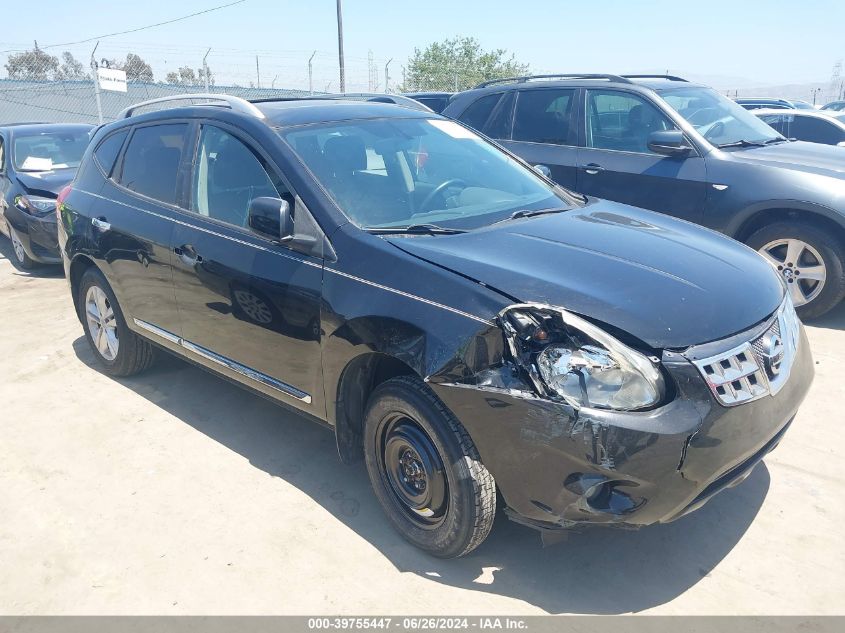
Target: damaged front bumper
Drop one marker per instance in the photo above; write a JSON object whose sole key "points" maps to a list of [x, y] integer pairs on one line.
{"points": [[559, 466]]}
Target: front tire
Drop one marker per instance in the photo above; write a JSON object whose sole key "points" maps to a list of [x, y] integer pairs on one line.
{"points": [[811, 260], [118, 349], [23, 260], [426, 471]]}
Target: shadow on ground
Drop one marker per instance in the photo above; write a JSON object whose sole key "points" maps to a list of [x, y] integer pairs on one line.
{"points": [[833, 320], [39, 270], [597, 571]]}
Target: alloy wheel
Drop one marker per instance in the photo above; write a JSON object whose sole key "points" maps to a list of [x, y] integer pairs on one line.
{"points": [[17, 245], [102, 324], [414, 471], [800, 265]]}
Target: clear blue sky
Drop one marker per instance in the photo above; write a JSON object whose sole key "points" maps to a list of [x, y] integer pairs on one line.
{"points": [[735, 41]]}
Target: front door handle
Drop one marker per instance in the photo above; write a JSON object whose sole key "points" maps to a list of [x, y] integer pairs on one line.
{"points": [[188, 255], [592, 168], [100, 224]]}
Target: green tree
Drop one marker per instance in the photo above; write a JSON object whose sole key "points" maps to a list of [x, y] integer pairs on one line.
{"points": [[137, 69], [458, 64], [185, 76], [34, 65], [71, 68]]}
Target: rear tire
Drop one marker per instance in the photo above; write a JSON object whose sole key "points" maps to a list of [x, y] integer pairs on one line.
{"points": [[426, 471], [23, 260], [820, 249], [118, 349]]}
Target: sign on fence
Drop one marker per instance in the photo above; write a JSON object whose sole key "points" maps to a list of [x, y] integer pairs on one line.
{"points": [[112, 79]]}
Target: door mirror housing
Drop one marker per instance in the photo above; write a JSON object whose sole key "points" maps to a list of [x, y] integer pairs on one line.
{"points": [[668, 143], [271, 217]]}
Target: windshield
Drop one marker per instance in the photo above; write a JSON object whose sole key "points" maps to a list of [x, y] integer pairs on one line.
{"points": [[717, 118], [49, 150], [403, 172]]}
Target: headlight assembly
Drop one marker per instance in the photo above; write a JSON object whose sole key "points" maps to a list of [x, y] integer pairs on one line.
{"points": [[579, 362], [35, 205]]}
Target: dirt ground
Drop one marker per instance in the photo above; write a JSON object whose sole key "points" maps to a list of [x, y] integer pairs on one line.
{"points": [[176, 492]]}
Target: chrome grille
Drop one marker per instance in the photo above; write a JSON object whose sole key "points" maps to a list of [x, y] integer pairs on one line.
{"points": [[757, 368]]}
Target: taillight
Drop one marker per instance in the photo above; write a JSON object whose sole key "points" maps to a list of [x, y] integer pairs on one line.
{"points": [[60, 199]]}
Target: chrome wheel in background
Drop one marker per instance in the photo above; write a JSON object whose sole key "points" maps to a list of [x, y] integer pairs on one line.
{"points": [[17, 245], [101, 321], [800, 265]]}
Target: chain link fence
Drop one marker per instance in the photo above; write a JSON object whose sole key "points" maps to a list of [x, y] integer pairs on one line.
{"points": [[42, 86]]}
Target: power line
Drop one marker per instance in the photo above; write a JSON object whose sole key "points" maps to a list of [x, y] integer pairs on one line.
{"points": [[140, 28]]}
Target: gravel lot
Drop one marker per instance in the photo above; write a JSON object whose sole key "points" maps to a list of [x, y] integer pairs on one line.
{"points": [[176, 492]]}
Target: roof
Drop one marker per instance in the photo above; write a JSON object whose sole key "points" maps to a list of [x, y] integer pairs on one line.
{"points": [[649, 82]]}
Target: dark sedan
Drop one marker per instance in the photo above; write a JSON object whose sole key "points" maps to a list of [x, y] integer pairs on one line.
{"points": [[36, 161]]}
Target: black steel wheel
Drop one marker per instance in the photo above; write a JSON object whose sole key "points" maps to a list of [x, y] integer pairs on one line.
{"points": [[426, 471]]}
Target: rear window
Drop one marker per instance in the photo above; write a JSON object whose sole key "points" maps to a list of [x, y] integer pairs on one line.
{"points": [[151, 161], [49, 150], [476, 115], [107, 151]]}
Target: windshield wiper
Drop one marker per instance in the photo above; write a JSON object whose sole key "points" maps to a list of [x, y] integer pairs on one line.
{"points": [[414, 229], [530, 213], [741, 143], [778, 140]]}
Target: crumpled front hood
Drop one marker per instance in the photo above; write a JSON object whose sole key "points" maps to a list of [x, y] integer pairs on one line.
{"points": [[810, 158], [45, 183], [667, 282]]}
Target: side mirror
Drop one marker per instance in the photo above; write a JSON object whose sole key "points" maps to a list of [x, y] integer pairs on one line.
{"points": [[668, 142], [271, 217], [543, 170]]}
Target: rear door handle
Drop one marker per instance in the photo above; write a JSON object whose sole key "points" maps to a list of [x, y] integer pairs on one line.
{"points": [[188, 255], [592, 168], [100, 224]]}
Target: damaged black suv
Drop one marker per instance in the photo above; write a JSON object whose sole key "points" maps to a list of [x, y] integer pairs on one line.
{"points": [[462, 323]]}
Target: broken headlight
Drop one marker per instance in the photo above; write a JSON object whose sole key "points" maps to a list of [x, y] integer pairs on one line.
{"points": [[580, 362]]}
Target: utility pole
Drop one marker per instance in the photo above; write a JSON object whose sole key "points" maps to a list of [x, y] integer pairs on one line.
{"points": [[257, 74], [311, 74], [387, 75], [96, 85], [205, 69], [340, 46]]}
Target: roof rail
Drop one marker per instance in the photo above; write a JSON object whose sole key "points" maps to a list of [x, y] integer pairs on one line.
{"points": [[520, 80], [219, 100], [669, 77]]}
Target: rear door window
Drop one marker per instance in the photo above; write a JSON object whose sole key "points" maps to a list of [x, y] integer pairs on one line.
{"points": [[107, 151], [544, 116], [151, 161], [477, 114]]}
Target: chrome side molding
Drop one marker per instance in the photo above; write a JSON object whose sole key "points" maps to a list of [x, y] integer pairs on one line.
{"points": [[243, 370]]}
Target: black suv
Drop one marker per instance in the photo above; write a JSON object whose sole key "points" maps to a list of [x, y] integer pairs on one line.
{"points": [[36, 161], [457, 319], [664, 144]]}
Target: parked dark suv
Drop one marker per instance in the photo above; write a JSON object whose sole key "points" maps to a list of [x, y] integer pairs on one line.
{"points": [[36, 161], [457, 319], [664, 144]]}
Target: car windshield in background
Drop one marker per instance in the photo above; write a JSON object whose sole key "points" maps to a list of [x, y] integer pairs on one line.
{"points": [[389, 173], [717, 118], [49, 150]]}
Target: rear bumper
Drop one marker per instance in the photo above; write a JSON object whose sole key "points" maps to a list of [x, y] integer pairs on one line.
{"points": [[557, 467]]}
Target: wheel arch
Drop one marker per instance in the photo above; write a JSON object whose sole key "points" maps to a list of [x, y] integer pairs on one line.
{"points": [[821, 217], [359, 378], [77, 269]]}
